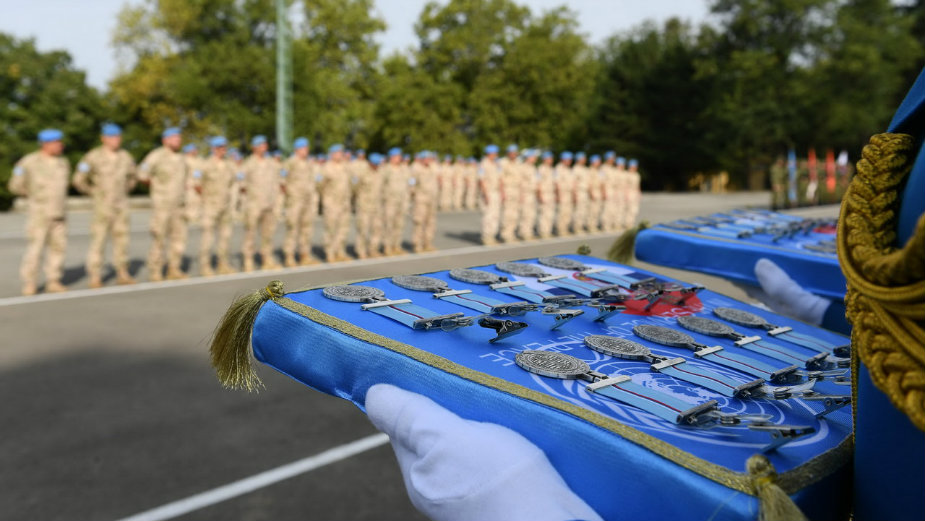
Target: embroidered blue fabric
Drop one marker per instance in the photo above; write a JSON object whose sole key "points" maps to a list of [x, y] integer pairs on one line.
{"points": [[735, 259], [618, 477]]}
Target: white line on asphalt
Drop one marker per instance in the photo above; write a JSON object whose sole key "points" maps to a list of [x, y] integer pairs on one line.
{"points": [[265, 274], [264, 479]]}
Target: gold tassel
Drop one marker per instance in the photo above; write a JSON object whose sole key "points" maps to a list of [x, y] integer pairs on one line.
{"points": [[231, 341], [622, 249], [776, 505]]}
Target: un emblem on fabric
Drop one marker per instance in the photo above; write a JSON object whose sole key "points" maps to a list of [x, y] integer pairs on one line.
{"points": [[561, 263], [420, 283], [617, 347], [476, 276], [521, 269], [552, 364], [353, 293], [738, 316], [705, 326], [663, 335]]}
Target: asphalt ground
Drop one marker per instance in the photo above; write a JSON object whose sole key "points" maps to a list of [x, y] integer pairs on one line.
{"points": [[110, 407]]}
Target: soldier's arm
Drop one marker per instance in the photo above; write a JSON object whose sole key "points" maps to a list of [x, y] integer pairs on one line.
{"points": [[81, 180], [132, 180], [146, 167], [17, 184]]}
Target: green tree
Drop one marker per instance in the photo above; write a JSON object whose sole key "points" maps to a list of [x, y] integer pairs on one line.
{"points": [[42, 90], [209, 65]]}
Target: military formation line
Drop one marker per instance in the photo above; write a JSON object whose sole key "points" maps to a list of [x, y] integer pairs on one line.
{"points": [[522, 196]]}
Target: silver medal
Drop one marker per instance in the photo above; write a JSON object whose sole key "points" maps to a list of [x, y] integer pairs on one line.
{"points": [[353, 293], [420, 283], [618, 347], [705, 326], [562, 263], [552, 364], [475, 276], [522, 269], [738, 316], [663, 335]]}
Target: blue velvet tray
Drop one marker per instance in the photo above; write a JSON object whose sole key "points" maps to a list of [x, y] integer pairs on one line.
{"points": [[626, 463], [735, 258]]}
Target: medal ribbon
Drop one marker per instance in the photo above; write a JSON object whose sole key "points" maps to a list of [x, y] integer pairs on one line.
{"points": [[703, 377], [663, 405], [536, 296], [477, 302], [407, 313]]}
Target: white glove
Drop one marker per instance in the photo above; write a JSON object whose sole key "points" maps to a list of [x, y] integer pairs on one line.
{"points": [[783, 295], [457, 469]]}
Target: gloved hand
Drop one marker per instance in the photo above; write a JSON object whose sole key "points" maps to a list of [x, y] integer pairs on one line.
{"points": [[457, 469], [783, 295]]}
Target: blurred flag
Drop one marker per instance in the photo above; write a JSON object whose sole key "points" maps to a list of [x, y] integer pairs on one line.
{"points": [[813, 185], [830, 170]]}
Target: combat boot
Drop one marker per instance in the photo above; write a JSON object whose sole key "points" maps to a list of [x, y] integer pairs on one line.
{"points": [[248, 265], [176, 274], [225, 269], [269, 263], [123, 278], [95, 281], [155, 274], [306, 259], [206, 271], [54, 287], [290, 261], [28, 289]]}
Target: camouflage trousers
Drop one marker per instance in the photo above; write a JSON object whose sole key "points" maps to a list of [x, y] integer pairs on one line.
{"points": [[214, 221], [300, 228], [527, 220], [116, 223], [44, 233], [546, 219], [336, 226], [510, 218], [369, 231], [593, 217], [424, 217], [261, 219], [491, 215], [564, 219], [580, 215], [168, 233], [394, 224]]}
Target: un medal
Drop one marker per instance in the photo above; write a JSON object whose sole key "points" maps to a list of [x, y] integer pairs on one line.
{"points": [[617, 347], [663, 335], [354, 293], [738, 316], [562, 263], [553, 364], [419, 283], [522, 269], [475, 276], [705, 326]]}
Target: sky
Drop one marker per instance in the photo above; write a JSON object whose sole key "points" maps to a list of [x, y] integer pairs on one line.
{"points": [[84, 28]]}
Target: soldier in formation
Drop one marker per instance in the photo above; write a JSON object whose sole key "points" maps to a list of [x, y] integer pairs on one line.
{"points": [[522, 196], [107, 174]]}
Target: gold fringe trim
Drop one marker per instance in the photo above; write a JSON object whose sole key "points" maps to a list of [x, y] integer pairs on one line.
{"points": [[230, 348], [776, 505], [886, 285], [622, 249], [791, 481]]}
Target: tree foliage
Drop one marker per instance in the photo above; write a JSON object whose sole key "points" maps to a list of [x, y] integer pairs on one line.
{"points": [[728, 95]]}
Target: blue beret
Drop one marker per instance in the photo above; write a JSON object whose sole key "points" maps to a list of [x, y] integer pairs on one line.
{"points": [[406, 157], [471, 159], [421, 155], [111, 129], [580, 155], [546, 154], [634, 162], [565, 155], [189, 148], [50, 134], [448, 157], [259, 139], [361, 152], [621, 160], [277, 153], [394, 151], [337, 147], [171, 131], [218, 141], [512, 148], [300, 142], [610, 154], [491, 149], [460, 158], [595, 157], [375, 158]]}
